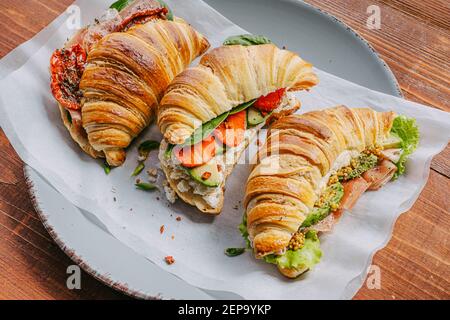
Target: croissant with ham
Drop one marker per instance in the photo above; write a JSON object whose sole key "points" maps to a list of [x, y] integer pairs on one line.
{"points": [[110, 77], [211, 112], [312, 168]]}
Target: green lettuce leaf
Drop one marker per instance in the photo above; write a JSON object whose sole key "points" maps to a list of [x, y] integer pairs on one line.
{"points": [[306, 257], [408, 131], [244, 231], [246, 40]]}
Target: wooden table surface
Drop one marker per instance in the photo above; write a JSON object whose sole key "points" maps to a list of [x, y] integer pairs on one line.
{"points": [[413, 40]]}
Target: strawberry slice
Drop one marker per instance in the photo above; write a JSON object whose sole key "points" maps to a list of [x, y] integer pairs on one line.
{"points": [[270, 102], [232, 131], [198, 154]]}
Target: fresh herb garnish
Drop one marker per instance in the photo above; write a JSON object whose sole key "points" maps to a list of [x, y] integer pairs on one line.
{"points": [[234, 252], [146, 186], [169, 15], [206, 129], [106, 168], [168, 152], [246, 40], [69, 117], [146, 147], [120, 4], [242, 107], [139, 169]]}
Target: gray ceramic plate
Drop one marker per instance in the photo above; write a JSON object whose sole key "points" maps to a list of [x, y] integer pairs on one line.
{"points": [[325, 41]]}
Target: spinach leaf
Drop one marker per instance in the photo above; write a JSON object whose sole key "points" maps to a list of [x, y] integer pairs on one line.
{"points": [[242, 107], [120, 4], [234, 252], [246, 40], [206, 129]]}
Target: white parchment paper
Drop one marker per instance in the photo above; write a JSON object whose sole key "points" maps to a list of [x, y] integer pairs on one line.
{"points": [[31, 120]]}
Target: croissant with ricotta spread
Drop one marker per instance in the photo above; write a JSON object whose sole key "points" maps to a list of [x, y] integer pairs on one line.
{"points": [[312, 168], [211, 112], [109, 79]]}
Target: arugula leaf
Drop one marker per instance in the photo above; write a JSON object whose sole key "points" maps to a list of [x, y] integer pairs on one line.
{"points": [[408, 131], [120, 4], [246, 40]]}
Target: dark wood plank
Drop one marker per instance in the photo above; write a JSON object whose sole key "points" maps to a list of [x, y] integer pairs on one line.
{"points": [[413, 40]]}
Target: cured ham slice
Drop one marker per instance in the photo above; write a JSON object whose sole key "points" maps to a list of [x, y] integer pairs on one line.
{"points": [[380, 175]]}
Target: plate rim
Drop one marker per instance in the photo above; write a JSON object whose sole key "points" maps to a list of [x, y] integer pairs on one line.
{"points": [[117, 284]]}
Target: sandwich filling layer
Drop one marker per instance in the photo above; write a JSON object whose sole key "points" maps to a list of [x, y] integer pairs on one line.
{"points": [[201, 168], [351, 175]]}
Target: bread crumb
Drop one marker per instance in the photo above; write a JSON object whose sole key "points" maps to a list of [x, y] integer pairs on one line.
{"points": [[178, 219], [161, 230]]}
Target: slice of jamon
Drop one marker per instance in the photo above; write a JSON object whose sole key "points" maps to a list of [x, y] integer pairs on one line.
{"points": [[353, 190], [380, 175]]}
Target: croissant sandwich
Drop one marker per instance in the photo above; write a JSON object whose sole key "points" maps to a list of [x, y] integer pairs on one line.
{"points": [[110, 77], [312, 168], [211, 112]]}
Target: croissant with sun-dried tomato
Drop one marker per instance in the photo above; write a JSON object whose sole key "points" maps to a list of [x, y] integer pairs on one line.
{"points": [[110, 77]]}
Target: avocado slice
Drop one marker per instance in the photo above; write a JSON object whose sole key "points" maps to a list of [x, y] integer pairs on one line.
{"points": [[254, 117], [207, 174], [393, 142]]}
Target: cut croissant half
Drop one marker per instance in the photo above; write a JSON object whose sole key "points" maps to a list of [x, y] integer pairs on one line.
{"points": [[211, 112], [110, 77], [312, 168]]}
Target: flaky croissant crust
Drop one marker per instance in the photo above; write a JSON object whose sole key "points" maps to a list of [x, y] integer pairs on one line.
{"points": [[125, 78], [299, 152], [225, 78]]}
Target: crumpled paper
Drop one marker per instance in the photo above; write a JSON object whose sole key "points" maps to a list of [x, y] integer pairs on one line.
{"points": [[31, 120]]}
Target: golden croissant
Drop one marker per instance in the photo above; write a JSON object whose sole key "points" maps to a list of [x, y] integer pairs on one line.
{"points": [[110, 80], [312, 168], [210, 112]]}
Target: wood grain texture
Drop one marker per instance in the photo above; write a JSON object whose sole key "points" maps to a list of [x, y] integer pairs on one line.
{"points": [[413, 40]]}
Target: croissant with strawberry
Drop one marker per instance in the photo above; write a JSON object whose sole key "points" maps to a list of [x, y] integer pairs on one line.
{"points": [[211, 112]]}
